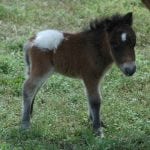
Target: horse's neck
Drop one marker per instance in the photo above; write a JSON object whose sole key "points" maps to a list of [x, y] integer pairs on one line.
{"points": [[103, 48]]}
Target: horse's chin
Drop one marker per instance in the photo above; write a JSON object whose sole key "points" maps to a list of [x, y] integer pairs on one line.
{"points": [[127, 74]]}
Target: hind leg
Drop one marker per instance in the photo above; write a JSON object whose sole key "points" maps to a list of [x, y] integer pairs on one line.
{"points": [[30, 89], [40, 70]]}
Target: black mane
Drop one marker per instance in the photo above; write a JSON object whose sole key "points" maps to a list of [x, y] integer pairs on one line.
{"points": [[109, 23]]}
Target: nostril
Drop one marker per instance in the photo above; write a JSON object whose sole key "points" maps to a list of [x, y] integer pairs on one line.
{"points": [[127, 71], [130, 70]]}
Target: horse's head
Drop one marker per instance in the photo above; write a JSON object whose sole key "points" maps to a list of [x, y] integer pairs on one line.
{"points": [[122, 41]]}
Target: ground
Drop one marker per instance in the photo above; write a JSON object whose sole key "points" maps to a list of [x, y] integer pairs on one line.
{"points": [[60, 113]]}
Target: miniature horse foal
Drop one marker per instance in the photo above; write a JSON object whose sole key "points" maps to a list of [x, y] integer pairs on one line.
{"points": [[86, 55]]}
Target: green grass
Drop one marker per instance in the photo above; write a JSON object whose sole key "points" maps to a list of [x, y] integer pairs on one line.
{"points": [[60, 111]]}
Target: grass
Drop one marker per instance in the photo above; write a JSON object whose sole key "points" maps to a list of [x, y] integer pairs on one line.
{"points": [[60, 112]]}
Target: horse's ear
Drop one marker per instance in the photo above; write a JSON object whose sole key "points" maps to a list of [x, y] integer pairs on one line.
{"points": [[128, 18]]}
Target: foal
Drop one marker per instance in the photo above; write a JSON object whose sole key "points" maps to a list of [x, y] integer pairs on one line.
{"points": [[86, 55]]}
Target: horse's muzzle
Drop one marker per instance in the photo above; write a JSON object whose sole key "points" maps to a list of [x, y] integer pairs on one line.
{"points": [[128, 68]]}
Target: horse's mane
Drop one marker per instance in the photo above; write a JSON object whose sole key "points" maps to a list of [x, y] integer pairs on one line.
{"points": [[107, 23]]}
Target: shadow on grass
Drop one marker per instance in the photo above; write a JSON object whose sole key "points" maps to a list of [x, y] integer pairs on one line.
{"points": [[84, 140], [35, 139]]}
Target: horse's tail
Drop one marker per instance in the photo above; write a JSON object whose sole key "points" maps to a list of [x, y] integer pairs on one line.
{"points": [[26, 48]]}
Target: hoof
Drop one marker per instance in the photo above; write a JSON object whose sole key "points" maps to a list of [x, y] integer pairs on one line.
{"points": [[99, 132], [25, 125]]}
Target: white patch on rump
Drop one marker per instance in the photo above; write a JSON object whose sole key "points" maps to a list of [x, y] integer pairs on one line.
{"points": [[124, 37], [48, 39]]}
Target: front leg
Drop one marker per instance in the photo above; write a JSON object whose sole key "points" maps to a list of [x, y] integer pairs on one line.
{"points": [[94, 105]]}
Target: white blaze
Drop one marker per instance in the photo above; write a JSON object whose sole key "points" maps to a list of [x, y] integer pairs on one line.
{"points": [[124, 37], [48, 39]]}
